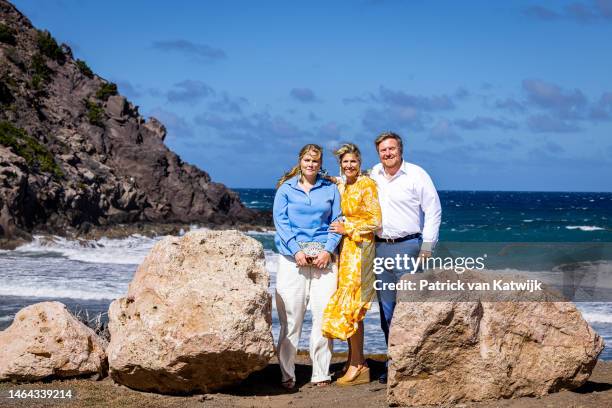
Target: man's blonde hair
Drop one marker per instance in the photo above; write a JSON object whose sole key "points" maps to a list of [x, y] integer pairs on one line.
{"points": [[389, 135]]}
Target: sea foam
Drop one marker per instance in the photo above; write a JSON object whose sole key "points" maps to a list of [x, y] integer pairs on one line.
{"points": [[597, 317], [584, 228], [40, 291], [126, 251]]}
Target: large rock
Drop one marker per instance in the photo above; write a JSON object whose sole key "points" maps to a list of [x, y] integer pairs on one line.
{"points": [[47, 341], [197, 315], [156, 128], [462, 348], [116, 107]]}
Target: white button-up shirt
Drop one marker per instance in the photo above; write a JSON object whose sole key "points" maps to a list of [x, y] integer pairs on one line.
{"points": [[409, 203]]}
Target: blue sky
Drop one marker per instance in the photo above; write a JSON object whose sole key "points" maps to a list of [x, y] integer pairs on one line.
{"points": [[487, 95]]}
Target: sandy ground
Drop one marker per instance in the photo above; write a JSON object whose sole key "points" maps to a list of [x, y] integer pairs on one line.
{"points": [[262, 389]]}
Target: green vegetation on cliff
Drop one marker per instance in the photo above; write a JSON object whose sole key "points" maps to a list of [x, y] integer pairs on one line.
{"points": [[84, 68], [106, 90], [48, 46], [35, 153], [95, 114], [41, 73]]}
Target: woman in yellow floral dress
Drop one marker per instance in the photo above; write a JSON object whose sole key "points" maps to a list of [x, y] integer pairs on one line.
{"points": [[344, 314]]}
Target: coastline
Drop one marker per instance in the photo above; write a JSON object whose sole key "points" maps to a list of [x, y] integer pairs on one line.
{"points": [[147, 229], [262, 389]]}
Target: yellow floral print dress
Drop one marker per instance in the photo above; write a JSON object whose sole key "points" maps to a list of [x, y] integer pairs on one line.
{"points": [[349, 304]]}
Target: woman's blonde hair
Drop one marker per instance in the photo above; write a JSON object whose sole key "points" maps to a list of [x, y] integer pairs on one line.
{"points": [[296, 169], [347, 148]]}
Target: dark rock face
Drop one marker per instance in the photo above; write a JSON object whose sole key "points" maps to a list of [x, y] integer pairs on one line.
{"points": [[74, 153]]}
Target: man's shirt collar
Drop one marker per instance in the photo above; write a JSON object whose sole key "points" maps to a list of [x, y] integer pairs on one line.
{"points": [[402, 169]]}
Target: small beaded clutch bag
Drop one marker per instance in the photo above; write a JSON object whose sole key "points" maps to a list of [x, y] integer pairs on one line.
{"points": [[311, 249]]}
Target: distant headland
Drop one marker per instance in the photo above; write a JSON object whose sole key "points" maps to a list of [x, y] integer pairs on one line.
{"points": [[77, 157]]}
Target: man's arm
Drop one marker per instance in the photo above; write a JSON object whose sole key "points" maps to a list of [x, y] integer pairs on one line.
{"points": [[432, 210]]}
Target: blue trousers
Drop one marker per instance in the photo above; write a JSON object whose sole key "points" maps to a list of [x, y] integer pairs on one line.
{"points": [[386, 297]]}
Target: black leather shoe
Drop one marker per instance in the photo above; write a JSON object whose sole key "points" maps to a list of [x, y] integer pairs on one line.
{"points": [[383, 378]]}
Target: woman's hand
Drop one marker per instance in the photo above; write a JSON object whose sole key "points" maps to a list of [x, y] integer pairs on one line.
{"points": [[300, 258], [322, 260], [335, 180], [337, 227]]}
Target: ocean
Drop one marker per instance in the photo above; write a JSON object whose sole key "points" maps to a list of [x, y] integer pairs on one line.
{"points": [[537, 233]]}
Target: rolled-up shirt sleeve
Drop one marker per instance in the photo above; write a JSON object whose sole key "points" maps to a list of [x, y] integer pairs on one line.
{"points": [[333, 239], [432, 210], [281, 221]]}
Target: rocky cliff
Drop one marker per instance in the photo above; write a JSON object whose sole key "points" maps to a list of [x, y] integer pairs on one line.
{"points": [[76, 154]]}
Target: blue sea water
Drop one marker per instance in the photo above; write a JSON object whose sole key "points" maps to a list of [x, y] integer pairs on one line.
{"points": [[481, 216], [517, 229]]}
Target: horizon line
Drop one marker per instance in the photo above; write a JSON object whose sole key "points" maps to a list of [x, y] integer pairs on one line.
{"points": [[467, 191]]}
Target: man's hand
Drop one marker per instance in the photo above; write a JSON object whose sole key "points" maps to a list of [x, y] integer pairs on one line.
{"points": [[300, 258], [321, 260], [337, 227]]}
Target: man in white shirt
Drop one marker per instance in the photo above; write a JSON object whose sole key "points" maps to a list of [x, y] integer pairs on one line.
{"points": [[411, 216]]}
